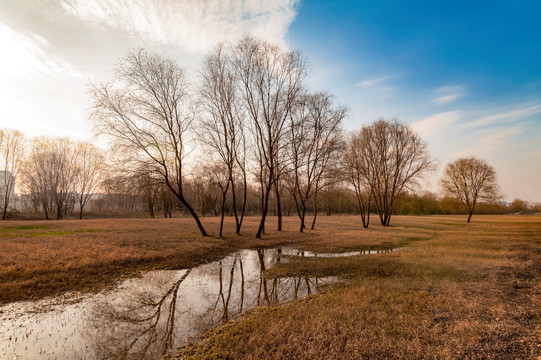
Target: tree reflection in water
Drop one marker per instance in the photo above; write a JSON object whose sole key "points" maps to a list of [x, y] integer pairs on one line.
{"points": [[170, 307]]}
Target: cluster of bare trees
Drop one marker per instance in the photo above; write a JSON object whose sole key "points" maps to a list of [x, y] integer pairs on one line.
{"points": [[251, 118], [57, 173], [249, 129], [249, 123]]}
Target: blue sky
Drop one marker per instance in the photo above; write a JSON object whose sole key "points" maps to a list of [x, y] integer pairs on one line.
{"points": [[465, 75]]}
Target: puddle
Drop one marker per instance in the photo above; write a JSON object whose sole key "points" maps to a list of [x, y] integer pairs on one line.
{"points": [[152, 316], [296, 252]]}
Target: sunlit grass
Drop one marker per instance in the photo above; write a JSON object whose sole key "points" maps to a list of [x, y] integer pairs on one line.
{"points": [[466, 292]]}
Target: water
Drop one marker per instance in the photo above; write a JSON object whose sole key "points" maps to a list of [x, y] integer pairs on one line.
{"points": [[153, 316], [297, 252]]}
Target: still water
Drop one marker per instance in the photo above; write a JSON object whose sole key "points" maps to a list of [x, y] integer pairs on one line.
{"points": [[153, 316]]}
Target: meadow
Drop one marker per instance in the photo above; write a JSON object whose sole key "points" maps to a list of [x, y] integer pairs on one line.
{"points": [[457, 290]]}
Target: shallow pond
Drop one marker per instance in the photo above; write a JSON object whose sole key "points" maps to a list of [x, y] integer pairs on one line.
{"points": [[152, 316]]}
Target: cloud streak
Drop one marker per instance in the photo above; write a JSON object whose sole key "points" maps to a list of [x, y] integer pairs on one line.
{"points": [[29, 56], [447, 94], [505, 117], [193, 25], [435, 123]]}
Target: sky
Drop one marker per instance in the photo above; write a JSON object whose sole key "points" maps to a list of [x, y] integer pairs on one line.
{"points": [[465, 75]]}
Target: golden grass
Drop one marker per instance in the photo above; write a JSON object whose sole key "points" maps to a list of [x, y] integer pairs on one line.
{"points": [[458, 291], [42, 258], [465, 292]]}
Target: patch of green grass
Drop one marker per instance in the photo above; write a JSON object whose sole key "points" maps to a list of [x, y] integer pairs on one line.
{"points": [[50, 233], [25, 227]]}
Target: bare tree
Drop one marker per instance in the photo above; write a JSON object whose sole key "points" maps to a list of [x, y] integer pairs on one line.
{"points": [[12, 146], [355, 174], [393, 158], [50, 174], [146, 111], [313, 138], [223, 130], [470, 180], [270, 80], [92, 165], [65, 173]]}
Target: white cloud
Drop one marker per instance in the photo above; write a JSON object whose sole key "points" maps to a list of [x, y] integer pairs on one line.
{"points": [[372, 82], [378, 86], [447, 94], [492, 143], [193, 25], [27, 55], [507, 116], [435, 123]]}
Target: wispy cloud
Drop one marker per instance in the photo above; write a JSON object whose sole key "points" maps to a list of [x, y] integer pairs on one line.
{"points": [[493, 142], [193, 25], [506, 116], [372, 82], [435, 123], [379, 86], [447, 94], [27, 55]]}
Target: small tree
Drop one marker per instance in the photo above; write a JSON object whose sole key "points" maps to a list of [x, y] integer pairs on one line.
{"points": [[12, 146], [92, 165], [354, 173], [470, 180], [392, 158]]}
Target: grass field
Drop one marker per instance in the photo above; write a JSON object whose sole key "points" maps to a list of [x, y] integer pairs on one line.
{"points": [[458, 291], [43, 258]]}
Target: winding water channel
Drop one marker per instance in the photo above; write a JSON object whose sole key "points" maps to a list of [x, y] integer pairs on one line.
{"points": [[152, 316]]}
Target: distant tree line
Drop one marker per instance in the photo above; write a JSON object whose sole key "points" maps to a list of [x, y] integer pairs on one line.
{"points": [[249, 138]]}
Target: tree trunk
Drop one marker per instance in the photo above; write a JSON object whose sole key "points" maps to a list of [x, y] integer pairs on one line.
{"points": [[278, 206], [224, 195], [315, 212], [5, 211], [302, 218], [180, 196], [265, 209], [223, 213]]}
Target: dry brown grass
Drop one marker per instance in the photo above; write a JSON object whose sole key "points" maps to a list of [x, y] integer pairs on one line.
{"points": [[467, 292], [459, 290], [42, 258]]}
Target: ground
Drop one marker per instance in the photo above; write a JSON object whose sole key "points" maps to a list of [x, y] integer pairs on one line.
{"points": [[457, 291]]}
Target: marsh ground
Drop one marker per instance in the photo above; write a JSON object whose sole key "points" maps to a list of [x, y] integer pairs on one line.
{"points": [[458, 291]]}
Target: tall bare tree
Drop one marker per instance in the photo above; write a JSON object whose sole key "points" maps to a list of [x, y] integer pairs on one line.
{"points": [[470, 180], [271, 81], [314, 135], [147, 111], [223, 128], [12, 147], [355, 171], [91, 163], [394, 158]]}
